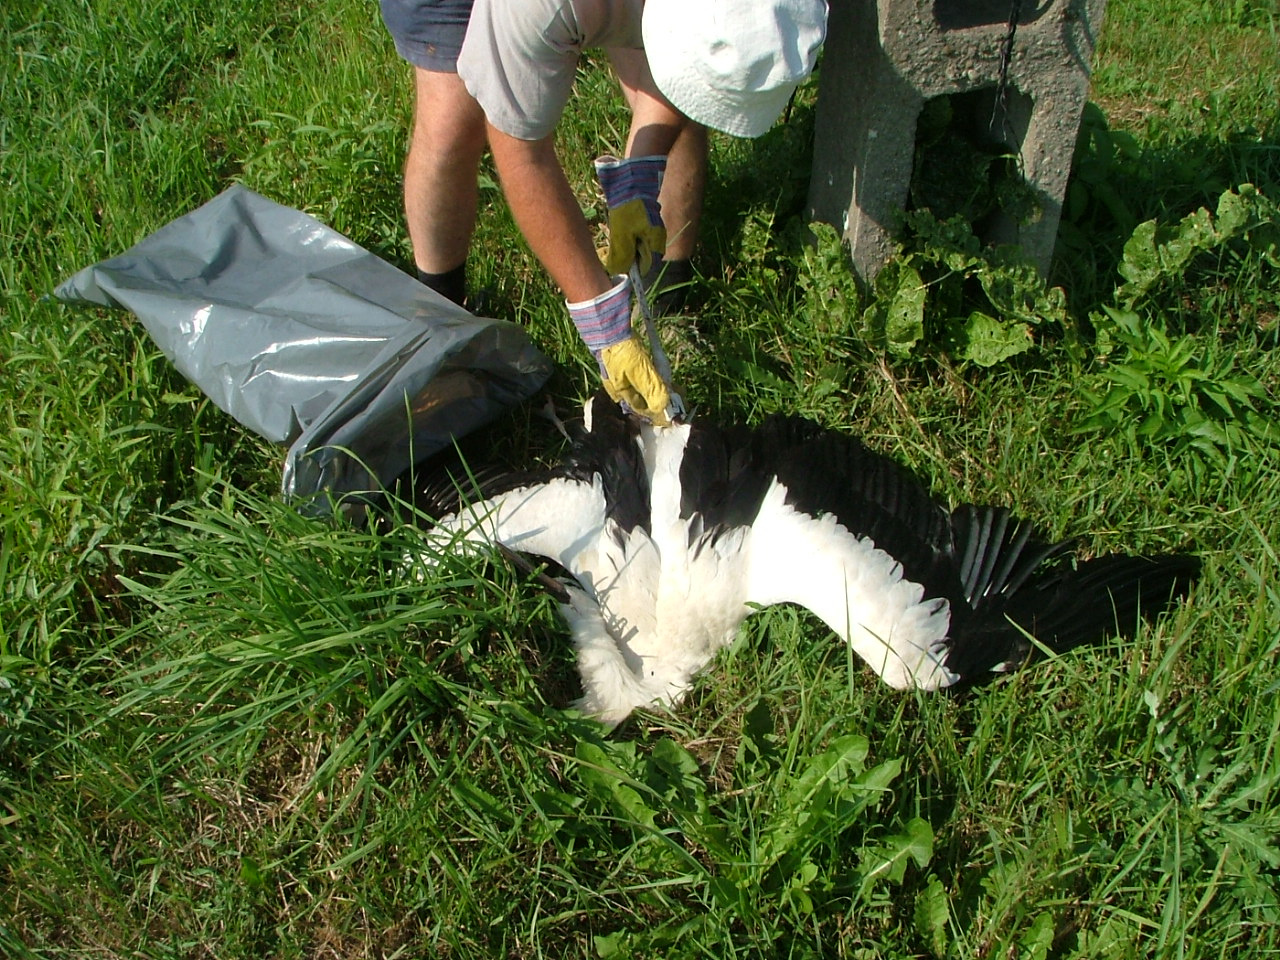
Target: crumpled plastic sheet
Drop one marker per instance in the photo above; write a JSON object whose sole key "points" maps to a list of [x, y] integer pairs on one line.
{"points": [[310, 340]]}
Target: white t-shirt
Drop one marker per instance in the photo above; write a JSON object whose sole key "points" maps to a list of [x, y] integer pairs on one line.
{"points": [[520, 56]]}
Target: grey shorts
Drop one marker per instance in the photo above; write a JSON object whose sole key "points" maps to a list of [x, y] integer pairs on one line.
{"points": [[428, 33]]}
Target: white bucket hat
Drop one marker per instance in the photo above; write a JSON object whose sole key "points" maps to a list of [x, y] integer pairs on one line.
{"points": [[732, 64]]}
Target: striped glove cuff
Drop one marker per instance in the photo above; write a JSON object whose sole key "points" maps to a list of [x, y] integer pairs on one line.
{"points": [[606, 319], [633, 178]]}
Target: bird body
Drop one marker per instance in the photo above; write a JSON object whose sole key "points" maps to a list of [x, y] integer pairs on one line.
{"points": [[673, 535]]}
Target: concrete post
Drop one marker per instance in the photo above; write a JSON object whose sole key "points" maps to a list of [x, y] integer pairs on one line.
{"points": [[885, 58]]}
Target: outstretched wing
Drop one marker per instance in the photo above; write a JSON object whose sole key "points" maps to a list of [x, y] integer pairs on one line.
{"points": [[572, 514], [833, 527], [560, 519], [858, 588], [928, 597]]}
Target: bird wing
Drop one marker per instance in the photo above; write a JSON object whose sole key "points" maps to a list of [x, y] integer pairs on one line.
{"points": [[999, 582], [854, 585], [830, 525], [561, 519]]}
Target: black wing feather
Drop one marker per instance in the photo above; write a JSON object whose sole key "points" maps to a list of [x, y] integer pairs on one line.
{"points": [[726, 471], [610, 450], [1065, 606], [1002, 580]]}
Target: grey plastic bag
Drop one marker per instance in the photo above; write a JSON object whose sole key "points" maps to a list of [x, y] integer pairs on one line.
{"points": [[309, 340]]}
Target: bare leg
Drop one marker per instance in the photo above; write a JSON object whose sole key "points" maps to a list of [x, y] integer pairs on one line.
{"points": [[682, 189], [440, 190]]}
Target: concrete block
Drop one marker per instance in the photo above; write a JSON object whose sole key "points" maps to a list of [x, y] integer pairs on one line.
{"points": [[884, 59]]}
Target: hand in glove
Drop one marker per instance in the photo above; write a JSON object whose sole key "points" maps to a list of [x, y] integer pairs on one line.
{"points": [[626, 368], [631, 190]]}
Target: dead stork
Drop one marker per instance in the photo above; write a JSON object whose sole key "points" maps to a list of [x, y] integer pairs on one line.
{"points": [[672, 536]]}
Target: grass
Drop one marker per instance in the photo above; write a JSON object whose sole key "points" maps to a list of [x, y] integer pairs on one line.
{"points": [[227, 730]]}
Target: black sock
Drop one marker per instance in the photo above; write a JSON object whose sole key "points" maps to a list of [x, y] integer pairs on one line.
{"points": [[452, 284], [669, 284]]}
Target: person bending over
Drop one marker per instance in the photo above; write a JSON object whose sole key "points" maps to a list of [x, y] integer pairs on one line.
{"points": [[501, 72]]}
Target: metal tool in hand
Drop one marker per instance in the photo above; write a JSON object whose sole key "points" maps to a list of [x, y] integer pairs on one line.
{"points": [[676, 410]]}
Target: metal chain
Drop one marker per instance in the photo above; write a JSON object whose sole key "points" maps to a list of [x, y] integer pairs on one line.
{"points": [[1000, 109]]}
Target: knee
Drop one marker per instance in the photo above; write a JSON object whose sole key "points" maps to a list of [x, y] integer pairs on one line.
{"points": [[443, 143]]}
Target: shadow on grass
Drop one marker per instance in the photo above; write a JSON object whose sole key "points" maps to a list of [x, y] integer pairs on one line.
{"points": [[760, 187], [1117, 183]]}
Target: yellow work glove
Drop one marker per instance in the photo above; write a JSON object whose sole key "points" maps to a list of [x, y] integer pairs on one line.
{"points": [[636, 232], [631, 378], [627, 370]]}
